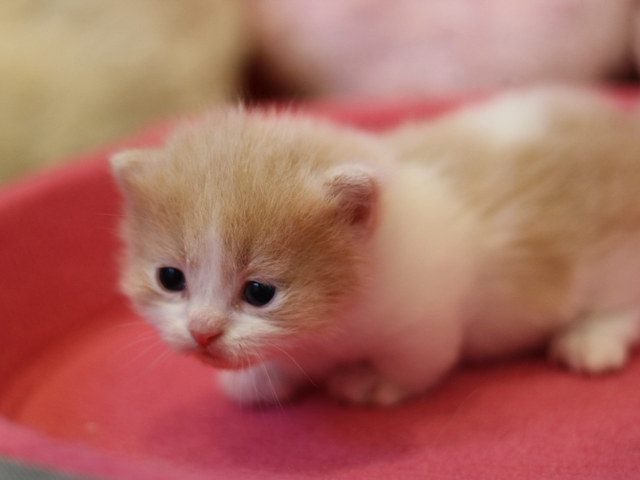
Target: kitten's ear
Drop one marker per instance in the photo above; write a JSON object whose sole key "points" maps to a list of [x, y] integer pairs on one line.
{"points": [[355, 190], [127, 165]]}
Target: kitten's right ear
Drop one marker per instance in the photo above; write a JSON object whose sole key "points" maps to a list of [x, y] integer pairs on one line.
{"points": [[127, 165], [121, 162]]}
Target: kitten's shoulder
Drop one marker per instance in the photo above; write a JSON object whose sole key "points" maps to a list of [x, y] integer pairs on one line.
{"points": [[511, 119]]}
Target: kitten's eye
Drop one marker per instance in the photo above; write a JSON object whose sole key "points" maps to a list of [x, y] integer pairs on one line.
{"points": [[258, 294], [172, 279]]}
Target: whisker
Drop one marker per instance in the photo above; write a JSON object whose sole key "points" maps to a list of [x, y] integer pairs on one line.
{"points": [[271, 385], [133, 344], [145, 351], [145, 336], [144, 373], [163, 356], [295, 363]]}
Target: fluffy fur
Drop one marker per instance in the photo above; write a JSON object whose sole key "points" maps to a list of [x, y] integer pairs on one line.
{"points": [[503, 227]]}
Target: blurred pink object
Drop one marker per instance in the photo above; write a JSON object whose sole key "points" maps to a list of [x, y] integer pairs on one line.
{"points": [[382, 47]]}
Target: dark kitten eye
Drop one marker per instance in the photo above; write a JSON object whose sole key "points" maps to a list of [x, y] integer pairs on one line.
{"points": [[258, 294], [172, 279]]}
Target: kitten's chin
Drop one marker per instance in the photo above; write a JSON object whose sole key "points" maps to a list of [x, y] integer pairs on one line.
{"points": [[224, 361]]}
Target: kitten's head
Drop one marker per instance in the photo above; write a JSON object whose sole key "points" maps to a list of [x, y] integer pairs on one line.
{"points": [[246, 235]]}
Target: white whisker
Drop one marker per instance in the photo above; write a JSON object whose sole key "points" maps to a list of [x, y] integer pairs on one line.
{"points": [[295, 362], [271, 385]]}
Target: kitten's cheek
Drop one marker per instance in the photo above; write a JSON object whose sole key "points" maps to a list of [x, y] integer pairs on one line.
{"points": [[169, 319], [172, 330], [177, 340]]}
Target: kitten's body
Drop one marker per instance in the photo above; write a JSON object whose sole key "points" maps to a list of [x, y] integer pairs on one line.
{"points": [[487, 232], [552, 180]]}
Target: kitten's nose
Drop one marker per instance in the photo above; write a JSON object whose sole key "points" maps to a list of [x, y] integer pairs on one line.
{"points": [[205, 339]]}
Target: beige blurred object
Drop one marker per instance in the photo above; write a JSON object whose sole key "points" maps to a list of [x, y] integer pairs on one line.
{"points": [[77, 73], [381, 47]]}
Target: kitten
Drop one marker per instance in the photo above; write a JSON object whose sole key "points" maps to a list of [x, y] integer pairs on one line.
{"points": [[286, 251]]}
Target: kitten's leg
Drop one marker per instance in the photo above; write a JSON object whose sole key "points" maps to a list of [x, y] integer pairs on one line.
{"points": [[268, 382], [362, 384], [597, 343], [406, 368], [392, 378]]}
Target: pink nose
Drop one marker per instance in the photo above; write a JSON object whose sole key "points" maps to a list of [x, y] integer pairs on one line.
{"points": [[205, 339]]}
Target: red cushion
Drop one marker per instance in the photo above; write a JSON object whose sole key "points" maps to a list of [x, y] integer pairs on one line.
{"points": [[85, 386]]}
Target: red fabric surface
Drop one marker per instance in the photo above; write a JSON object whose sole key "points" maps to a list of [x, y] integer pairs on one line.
{"points": [[86, 386]]}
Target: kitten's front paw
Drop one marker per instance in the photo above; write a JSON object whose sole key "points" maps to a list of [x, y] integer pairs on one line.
{"points": [[589, 350], [260, 384], [362, 385]]}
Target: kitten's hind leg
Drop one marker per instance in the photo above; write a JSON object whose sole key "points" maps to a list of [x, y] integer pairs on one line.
{"points": [[597, 343]]}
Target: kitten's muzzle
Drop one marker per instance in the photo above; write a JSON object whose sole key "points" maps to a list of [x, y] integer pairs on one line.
{"points": [[205, 339]]}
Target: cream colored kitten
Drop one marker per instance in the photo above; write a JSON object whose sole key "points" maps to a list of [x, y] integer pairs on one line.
{"points": [[288, 251]]}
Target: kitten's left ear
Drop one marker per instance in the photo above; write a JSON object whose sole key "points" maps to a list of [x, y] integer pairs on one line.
{"points": [[355, 189]]}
